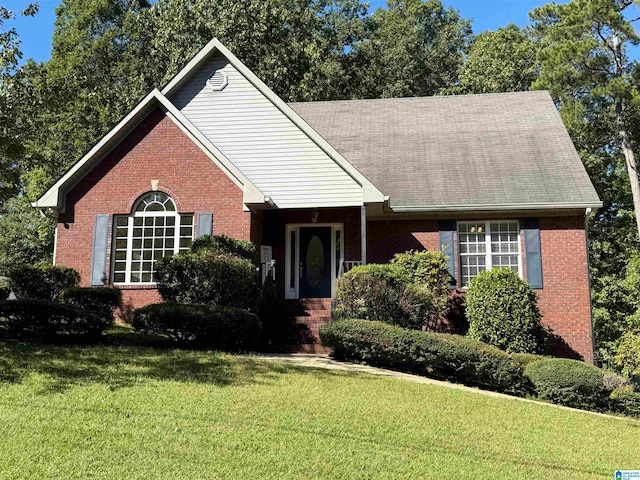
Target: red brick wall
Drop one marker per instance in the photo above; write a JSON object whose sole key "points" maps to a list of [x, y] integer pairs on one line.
{"points": [[565, 299], [156, 150]]}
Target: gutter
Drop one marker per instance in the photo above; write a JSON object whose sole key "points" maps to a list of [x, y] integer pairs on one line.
{"points": [[484, 207]]}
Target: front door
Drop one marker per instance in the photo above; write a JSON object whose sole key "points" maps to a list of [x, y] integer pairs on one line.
{"points": [[315, 262]]}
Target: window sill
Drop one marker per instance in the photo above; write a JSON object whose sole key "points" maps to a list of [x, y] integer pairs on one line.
{"points": [[135, 286]]}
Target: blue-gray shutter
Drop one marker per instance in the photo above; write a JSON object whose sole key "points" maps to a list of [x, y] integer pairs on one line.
{"points": [[99, 251], [533, 254], [446, 230], [205, 224]]}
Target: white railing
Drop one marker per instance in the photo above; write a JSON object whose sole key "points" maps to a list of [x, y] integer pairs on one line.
{"points": [[346, 265]]}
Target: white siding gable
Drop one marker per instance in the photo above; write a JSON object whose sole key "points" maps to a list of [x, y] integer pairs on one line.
{"points": [[262, 142]]}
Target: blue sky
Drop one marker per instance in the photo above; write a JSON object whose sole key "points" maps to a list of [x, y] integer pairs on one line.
{"points": [[36, 32]]}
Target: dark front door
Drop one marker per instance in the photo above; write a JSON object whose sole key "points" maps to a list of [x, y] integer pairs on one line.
{"points": [[315, 262]]}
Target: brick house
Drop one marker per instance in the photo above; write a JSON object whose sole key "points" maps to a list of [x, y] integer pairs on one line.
{"points": [[493, 179]]}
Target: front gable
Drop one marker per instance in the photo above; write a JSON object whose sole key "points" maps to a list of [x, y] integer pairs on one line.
{"points": [[263, 137]]}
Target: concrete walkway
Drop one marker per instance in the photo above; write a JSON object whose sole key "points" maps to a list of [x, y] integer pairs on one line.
{"points": [[321, 361]]}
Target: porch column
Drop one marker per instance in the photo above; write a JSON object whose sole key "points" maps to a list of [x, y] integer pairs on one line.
{"points": [[363, 234]]}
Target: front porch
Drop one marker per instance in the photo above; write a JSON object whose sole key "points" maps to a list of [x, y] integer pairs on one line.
{"points": [[304, 252]]}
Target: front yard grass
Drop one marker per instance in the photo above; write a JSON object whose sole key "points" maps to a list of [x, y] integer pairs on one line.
{"points": [[136, 412]]}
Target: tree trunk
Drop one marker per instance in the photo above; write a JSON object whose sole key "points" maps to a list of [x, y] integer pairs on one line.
{"points": [[626, 146], [631, 163]]}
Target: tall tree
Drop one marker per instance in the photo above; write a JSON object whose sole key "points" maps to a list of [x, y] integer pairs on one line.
{"points": [[500, 61], [582, 51], [415, 48], [11, 147], [583, 56]]}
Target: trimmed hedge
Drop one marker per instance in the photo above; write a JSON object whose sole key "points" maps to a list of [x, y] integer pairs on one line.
{"points": [[524, 359], [218, 328], [384, 293], [568, 382], [44, 319], [44, 282], [207, 277], [625, 402], [503, 311], [96, 299], [449, 357], [224, 244]]}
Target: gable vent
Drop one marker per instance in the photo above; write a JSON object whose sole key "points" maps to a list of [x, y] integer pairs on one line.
{"points": [[218, 81]]}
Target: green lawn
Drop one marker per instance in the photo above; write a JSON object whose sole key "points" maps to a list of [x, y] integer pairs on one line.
{"points": [[134, 412]]}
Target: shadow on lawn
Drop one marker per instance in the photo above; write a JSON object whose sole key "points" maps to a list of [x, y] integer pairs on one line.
{"points": [[60, 367]]}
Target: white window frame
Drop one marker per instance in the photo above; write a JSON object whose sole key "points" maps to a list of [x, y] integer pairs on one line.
{"points": [[130, 226], [292, 292], [488, 254]]}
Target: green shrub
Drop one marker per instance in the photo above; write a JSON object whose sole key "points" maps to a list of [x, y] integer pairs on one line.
{"points": [[96, 299], [207, 276], [503, 311], [44, 319], [385, 293], [625, 402], [46, 282], [426, 268], [627, 358], [5, 289], [567, 382], [524, 359], [449, 357], [224, 244], [218, 328]]}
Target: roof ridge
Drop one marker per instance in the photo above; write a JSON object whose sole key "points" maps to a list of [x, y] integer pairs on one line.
{"points": [[429, 97]]}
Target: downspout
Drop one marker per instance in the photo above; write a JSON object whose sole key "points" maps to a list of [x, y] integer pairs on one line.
{"points": [[587, 214], [363, 234]]}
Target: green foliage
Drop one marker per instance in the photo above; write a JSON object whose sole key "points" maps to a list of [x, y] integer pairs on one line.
{"points": [[207, 326], [567, 382], [27, 236], [414, 48], [426, 268], [385, 293], [625, 402], [224, 244], [5, 290], [206, 276], [96, 299], [627, 358], [503, 311], [449, 357], [46, 320], [44, 282], [524, 359], [500, 61]]}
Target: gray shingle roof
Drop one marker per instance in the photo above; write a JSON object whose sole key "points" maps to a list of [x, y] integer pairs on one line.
{"points": [[468, 151]]}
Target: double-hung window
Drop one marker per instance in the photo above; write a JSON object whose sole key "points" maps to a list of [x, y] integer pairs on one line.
{"points": [[152, 231], [487, 245]]}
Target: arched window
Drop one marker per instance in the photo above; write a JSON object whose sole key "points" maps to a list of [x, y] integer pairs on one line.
{"points": [[153, 230]]}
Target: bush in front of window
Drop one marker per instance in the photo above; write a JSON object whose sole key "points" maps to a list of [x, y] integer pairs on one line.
{"points": [[45, 282], [96, 299], [381, 292], [206, 326], [224, 244], [443, 356], [571, 383], [502, 310], [428, 269], [44, 320], [207, 277]]}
